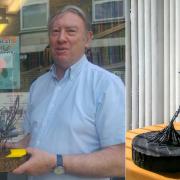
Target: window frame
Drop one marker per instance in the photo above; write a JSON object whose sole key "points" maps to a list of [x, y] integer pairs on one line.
{"points": [[105, 20], [46, 2]]}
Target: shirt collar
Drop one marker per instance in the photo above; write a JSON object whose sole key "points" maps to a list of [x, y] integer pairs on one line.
{"points": [[73, 71]]}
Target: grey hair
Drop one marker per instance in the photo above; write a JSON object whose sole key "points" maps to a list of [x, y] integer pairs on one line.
{"points": [[74, 9]]}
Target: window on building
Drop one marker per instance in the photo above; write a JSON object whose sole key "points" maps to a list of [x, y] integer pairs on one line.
{"points": [[105, 10], [34, 16]]}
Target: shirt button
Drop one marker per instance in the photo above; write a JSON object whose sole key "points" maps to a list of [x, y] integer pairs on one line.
{"points": [[37, 142], [59, 88], [52, 105]]}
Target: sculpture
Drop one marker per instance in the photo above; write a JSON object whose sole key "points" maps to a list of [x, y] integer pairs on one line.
{"points": [[9, 158]]}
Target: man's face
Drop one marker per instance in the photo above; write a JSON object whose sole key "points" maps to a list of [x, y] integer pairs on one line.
{"points": [[68, 39]]}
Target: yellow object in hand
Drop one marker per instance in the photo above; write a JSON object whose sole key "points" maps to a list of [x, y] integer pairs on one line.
{"points": [[16, 153]]}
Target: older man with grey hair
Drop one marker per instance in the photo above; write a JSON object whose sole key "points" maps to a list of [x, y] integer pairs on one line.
{"points": [[75, 117]]}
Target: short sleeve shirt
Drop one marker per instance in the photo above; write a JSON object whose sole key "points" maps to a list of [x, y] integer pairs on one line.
{"points": [[81, 113]]}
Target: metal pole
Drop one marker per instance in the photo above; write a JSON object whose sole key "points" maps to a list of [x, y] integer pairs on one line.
{"points": [[172, 58], [148, 63], [177, 54], [166, 62], [141, 63], [135, 64], [128, 81]]}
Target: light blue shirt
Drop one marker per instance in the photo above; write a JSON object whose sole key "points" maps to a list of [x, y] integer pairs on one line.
{"points": [[81, 113]]}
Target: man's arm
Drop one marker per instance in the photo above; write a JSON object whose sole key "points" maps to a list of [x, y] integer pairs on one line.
{"points": [[104, 163]]}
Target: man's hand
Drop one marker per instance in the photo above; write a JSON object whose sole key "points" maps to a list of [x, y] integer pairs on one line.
{"points": [[39, 163]]}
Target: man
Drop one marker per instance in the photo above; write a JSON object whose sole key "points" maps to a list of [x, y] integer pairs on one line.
{"points": [[75, 116]]}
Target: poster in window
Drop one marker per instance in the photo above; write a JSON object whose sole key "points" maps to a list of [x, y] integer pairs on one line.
{"points": [[9, 63]]}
